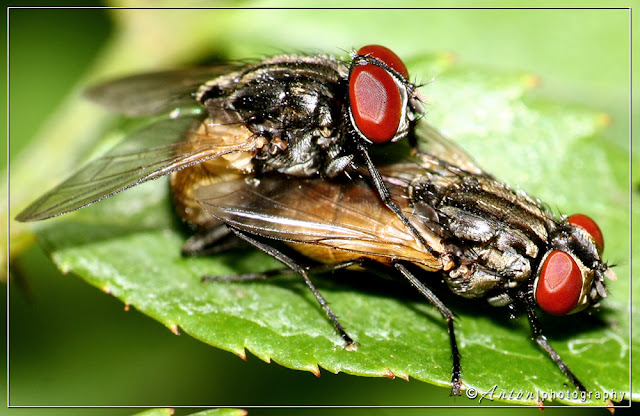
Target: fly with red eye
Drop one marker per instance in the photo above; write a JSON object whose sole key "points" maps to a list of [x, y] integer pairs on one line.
{"points": [[302, 116], [295, 115], [505, 246]]}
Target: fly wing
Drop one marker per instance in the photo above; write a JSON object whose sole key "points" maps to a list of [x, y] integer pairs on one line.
{"points": [[436, 155], [155, 93], [149, 153], [338, 216], [436, 149]]}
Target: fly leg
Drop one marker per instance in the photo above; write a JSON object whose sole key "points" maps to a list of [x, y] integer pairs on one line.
{"points": [[386, 199], [247, 276], [323, 268], [289, 262], [448, 315], [212, 240], [542, 340]]}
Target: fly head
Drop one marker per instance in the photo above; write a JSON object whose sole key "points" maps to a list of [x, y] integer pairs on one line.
{"points": [[571, 273]]}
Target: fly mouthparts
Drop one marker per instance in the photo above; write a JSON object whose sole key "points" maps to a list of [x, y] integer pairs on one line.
{"points": [[611, 275]]}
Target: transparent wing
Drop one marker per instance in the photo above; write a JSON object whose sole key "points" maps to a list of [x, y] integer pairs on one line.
{"points": [[435, 145], [339, 216], [401, 165], [155, 93], [149, 153]]}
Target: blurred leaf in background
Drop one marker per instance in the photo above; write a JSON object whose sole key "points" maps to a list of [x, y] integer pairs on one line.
{"points": [[69, 332]]}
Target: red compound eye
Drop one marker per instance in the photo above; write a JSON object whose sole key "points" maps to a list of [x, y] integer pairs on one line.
{"points": [[376, 104], [385, 55], [560, 284], [581, 220]]}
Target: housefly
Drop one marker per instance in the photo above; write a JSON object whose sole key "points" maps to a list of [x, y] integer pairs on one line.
{"points": [[487, 240], [302, 116]]}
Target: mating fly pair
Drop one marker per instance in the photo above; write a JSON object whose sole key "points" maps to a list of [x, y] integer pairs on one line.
{"points": [[278, 150]]}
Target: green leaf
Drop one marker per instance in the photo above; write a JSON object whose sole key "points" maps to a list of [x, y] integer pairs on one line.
{"points": [[129, 246], [581, 57]]}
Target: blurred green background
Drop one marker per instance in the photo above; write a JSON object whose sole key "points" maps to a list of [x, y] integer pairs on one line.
{"points": [[71, 344]]}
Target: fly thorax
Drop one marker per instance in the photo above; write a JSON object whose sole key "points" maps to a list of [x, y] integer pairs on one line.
{"points": [[294, 102]]}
